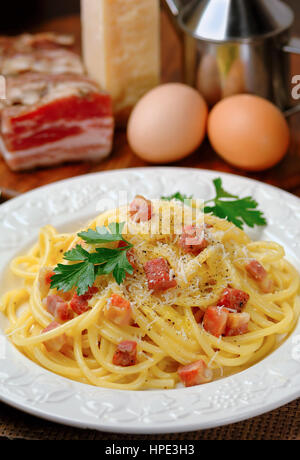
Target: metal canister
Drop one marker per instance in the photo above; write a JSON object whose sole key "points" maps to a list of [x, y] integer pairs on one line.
{"points": [[237, 46]]}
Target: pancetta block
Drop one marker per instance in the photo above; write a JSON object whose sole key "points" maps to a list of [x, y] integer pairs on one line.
{"points": [[49, 119]]}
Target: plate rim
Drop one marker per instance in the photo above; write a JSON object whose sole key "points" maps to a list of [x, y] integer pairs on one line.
{"points": [[147, 168]]}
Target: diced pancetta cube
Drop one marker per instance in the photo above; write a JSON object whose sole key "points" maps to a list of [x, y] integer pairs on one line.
{"points": [[126, 354], [215, 320], [193, 239], [130, 254], [90, 293], [58, 308], [58, 342], [80, 304], [234, 299], [118, 310], [257, 272], [237, 324], [140, 210], [159, 275], [198, 314], [195, 374]]}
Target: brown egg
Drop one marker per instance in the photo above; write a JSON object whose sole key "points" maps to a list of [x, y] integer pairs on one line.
{"points": [[249, 132], [168, 123]]}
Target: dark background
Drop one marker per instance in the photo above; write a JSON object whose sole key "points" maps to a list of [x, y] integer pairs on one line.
{"points": [[16, 17]]}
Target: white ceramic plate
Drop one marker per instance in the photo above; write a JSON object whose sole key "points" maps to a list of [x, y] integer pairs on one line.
{"points": [[69, 204]]}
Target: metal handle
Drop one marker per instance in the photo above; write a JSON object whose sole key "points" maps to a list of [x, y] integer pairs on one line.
{"points": [[174, 6]]}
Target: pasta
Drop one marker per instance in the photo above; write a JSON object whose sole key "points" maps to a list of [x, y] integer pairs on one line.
{"points": [[169, 326]]}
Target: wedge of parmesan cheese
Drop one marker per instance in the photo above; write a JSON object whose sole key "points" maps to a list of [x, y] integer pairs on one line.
{"points": [[121, 48]]}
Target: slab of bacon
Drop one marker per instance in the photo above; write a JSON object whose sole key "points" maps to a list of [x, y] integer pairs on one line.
{"points": [[49, 119], [52, 113]]}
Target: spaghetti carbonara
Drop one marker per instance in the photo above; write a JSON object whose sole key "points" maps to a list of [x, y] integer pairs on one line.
{"points": [[198, 304]]}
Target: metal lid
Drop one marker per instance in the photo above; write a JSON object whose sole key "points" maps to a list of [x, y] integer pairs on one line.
{"points": [[235, 20]]}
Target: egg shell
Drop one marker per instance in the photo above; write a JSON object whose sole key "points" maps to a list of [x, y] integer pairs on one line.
{"points": [[168, 123], [249, 132]]}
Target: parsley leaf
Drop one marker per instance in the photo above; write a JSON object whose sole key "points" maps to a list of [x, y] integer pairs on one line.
{"points": [[118, 265], [221, 193], [179, 197], [103, 261], [237, 210], [77, 254], [103, 235], [225, 205], [81, 275]]}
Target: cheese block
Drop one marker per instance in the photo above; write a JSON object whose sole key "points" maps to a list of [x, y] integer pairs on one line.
{"points": [[121, 48]]}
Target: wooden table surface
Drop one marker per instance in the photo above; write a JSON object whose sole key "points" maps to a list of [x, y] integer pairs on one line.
{"points": [[286, 175]]}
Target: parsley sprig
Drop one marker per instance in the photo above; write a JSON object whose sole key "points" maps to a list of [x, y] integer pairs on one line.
{"points": [[179, 197], [103, 261], [239, 211]]}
